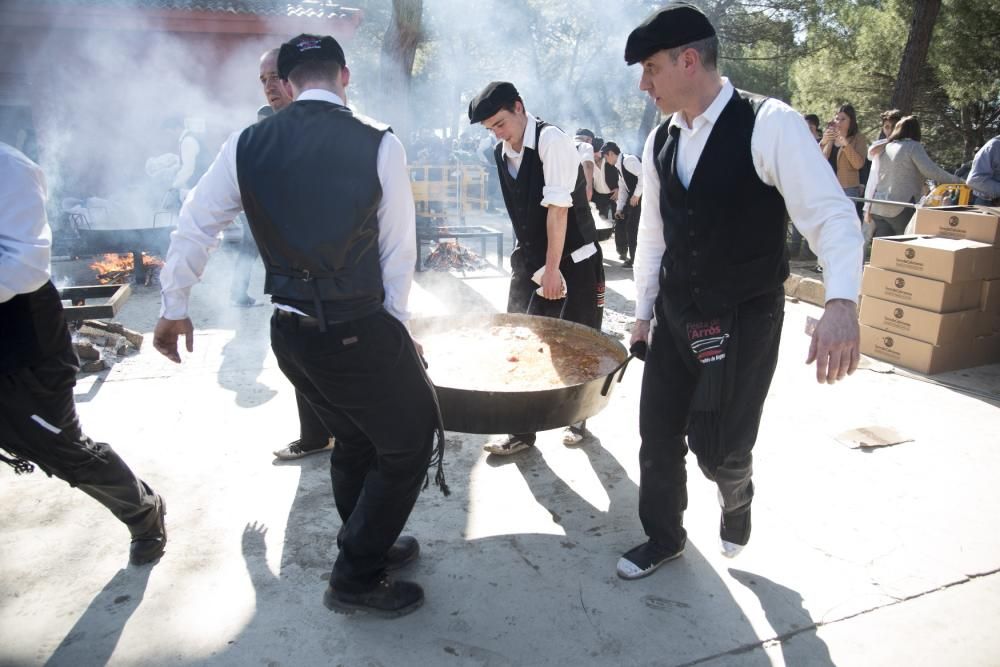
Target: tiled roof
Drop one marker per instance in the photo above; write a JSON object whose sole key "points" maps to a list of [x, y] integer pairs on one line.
{"points": [[319, 9]]}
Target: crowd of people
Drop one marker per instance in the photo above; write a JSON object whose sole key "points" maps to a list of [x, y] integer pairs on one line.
{"points": [[701, 215], [893, 174]]}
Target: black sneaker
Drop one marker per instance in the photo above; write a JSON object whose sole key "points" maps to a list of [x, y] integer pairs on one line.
{"points": [[644, 559], [389, 599], [150, 546], [403, 552]]}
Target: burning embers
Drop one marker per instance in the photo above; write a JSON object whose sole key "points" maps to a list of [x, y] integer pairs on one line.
{"points": [[452, 255], [115, 268]]}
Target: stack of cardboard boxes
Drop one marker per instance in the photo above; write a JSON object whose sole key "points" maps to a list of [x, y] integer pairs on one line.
{"points": [[931, 302]]}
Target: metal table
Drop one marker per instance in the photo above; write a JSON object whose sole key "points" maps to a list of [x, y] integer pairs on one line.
{"points": [[458, 232]]}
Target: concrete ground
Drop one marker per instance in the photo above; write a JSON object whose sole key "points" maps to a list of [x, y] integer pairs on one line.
{"points": [[884, 556]]}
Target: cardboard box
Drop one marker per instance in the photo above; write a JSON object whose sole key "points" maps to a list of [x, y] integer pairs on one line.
{"points": [[935, 295], [950, 260], [914, 354], [923, 325], [989, 304], [959, 222]]}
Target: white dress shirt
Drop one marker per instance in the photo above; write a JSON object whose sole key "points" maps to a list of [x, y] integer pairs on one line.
{"points": [[600, 182], [784, 156], [560, 162], [215, 201], [631, 164], [560, 167], [586, 152], [25, 237]]}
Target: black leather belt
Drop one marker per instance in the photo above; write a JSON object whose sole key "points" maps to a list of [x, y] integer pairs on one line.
{"points": [[300, 320]]}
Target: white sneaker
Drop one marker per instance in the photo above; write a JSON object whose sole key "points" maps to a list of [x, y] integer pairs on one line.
{"points": [[730, 550], [507, 445], [295, 451], [576, 433]]}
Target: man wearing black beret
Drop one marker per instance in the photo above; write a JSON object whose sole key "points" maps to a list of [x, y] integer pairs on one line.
{"points": [[718, 175], [327, 197], [546, 196]]}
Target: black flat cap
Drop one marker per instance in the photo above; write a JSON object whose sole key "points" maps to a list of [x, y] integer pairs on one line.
{"points": [[306, 47], [677, 24], [584, 132], [494, 97]]}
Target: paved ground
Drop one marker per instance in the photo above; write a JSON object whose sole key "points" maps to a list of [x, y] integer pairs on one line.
{"points": [[880, 557]]}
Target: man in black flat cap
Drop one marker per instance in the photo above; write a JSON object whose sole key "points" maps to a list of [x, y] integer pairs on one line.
{"points": [[718, 175], [327, 196], [545, 191]]}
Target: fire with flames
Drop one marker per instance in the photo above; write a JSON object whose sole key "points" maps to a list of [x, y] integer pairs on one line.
{"points": [[118, 269]]}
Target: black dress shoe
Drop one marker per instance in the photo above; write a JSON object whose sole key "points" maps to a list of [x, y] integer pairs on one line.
{"points": [[148, 547], [389, 599], [403, 552]]}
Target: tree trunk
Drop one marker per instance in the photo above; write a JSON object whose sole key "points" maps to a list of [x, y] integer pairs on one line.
{"points": [[918, 42], [399, 50], [646, 126]]}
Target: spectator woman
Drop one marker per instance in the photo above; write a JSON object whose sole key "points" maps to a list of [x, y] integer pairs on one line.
{"points": [[846, 149], [889, 119], [902, 169]]}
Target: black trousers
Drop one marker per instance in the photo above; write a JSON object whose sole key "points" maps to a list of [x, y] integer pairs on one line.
{"points": [[632, 214], [722, 441], [312, 433], [621, 235], [605, 204], [584, 288], [367, 385], [38, 422]]}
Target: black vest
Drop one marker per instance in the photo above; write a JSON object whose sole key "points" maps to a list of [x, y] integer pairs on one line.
{"points": [[610, 175], [33, 328], [310, 188], [523, 197], [725, 234], [631, 180]]}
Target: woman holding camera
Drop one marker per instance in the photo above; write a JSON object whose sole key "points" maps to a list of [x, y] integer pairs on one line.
{"points": [[846, 149]]}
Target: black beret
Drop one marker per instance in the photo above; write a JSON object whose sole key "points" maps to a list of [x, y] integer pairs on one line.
{"points": [[611, 147], [306, 47], [494, 97], [677, 24]]}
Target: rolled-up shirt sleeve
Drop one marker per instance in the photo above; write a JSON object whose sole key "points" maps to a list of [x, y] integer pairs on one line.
{"points": [[209, 207], [397, 226], [560, 164], [785, 156], [650, 244], [631, 164], [25, 236]]}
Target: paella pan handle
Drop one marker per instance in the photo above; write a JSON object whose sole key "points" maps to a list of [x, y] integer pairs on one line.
{"points": [[637, 351], [531, 300]]}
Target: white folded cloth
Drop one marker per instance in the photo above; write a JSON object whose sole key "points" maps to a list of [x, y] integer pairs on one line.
{"points": [[538, 281]]}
